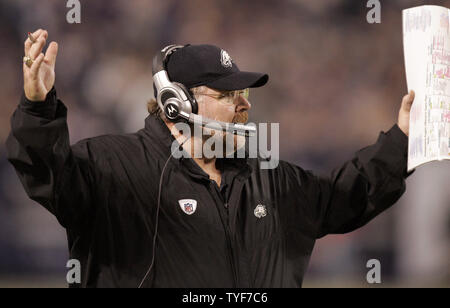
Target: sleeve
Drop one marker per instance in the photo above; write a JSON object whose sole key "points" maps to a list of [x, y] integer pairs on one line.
{"points": [[53, 173], [359, 190]]}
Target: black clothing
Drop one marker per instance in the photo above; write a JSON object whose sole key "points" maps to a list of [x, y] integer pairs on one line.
{"points": [[104, 191]]}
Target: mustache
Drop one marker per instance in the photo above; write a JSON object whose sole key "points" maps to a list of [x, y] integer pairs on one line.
{"points": [[240, 117]]}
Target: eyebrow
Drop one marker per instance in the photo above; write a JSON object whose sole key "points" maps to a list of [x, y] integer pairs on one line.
{"points": [[219, 92]]}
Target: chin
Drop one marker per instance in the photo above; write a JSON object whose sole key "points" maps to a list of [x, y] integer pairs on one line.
{"points": [[234, 144]]}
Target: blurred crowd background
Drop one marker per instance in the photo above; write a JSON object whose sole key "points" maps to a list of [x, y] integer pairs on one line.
{"points": [[335, 83]]}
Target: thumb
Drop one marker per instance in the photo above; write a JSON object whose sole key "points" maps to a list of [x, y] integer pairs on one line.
{"points": [[407, 101]]}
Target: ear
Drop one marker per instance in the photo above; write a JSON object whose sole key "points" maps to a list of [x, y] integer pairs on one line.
{"points": [[200, 104]]}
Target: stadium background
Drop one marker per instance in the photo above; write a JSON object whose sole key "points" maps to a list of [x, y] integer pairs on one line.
{"points": [[335, 83]]}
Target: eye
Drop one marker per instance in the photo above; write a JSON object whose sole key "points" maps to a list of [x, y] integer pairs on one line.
{"points": [[222, 96], [225, 95]]}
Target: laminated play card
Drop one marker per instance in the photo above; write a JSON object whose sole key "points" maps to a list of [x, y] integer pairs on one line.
{"points": [[426, 43]]}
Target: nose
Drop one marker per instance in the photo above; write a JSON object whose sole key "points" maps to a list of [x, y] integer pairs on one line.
{"points": [[243, 104]]}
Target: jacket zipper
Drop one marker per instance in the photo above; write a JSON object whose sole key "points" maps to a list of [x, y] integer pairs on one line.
{"points": [[228, 237]]}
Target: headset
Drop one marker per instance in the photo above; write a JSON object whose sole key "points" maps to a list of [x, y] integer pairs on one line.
{"points": [[178, 103]]}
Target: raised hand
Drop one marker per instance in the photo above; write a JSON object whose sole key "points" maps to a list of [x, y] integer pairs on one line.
{"points": [[39, 77], [404, 112]]}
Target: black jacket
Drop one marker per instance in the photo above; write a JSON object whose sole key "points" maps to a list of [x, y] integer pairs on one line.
{"points": [[104, 190]]}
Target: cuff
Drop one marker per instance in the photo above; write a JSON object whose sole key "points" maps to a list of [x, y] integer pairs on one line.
{"points": [[400, 141], [45, 109], [399, 138]]}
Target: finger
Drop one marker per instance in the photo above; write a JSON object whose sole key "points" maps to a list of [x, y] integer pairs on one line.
{"points": [[51, 53], [36, 48], [36, 65], [26, 70], [413, 94], [408, 100], [28, 42]]}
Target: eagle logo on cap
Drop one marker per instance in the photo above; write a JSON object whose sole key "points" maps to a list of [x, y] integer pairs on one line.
{"points": [[225, 59]]}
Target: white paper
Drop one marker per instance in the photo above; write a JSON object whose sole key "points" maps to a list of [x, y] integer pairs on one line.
{"points": [[426, 43]]}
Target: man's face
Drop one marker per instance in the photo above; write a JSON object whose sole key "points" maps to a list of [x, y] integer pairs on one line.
{"points": [[224, 106]]}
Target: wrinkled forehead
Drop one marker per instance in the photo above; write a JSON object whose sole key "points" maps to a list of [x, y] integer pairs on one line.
{"points": [[206, 89]]}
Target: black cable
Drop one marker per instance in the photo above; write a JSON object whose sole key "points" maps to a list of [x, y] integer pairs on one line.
{"points": [[157, 217]]}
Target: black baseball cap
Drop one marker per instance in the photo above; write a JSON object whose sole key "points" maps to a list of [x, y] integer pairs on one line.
{"points": [[197, 65]]}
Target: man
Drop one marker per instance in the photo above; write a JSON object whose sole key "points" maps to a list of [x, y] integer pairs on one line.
{"points": [[203, 222]]}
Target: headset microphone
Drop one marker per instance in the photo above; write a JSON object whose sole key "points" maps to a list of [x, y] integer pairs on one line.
{"points": [[238, 129]]}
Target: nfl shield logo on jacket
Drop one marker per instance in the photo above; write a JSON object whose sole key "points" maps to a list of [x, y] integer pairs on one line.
{"points": [[188, 205]]}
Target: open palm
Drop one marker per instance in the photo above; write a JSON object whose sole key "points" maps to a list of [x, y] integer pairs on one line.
{"points": [[40, 77]]}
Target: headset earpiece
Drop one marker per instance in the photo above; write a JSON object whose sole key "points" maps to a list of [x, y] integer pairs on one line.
{"points": [[193, 101], [190, 96], [173, 98]]}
